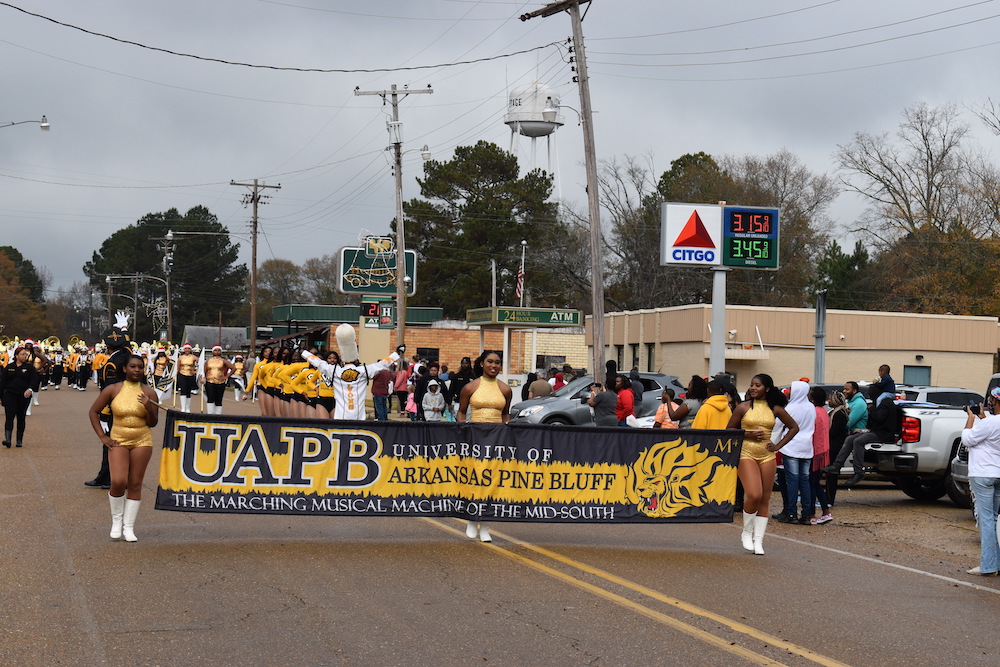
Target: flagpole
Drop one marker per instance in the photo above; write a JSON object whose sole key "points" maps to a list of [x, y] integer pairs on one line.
{"points": [[524, 244]]}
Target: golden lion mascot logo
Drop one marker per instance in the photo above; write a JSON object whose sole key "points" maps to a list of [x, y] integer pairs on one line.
{"points": [[671, 476]]}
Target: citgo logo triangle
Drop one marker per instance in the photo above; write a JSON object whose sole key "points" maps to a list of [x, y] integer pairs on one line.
{"points": [[694, 234]]}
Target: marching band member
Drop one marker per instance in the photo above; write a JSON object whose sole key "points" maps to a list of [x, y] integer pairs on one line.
{"points": [[238, 379], [161, 374], [112, 371], [257, 382], [325, 400], [214, 377], [350, 379], [187, 380], [485, 399]]}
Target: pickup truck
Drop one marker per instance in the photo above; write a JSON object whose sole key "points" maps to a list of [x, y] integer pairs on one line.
{"points": [[960, 464], [919, 461]]}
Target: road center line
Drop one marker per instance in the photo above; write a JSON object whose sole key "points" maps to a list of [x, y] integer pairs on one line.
{"points": [[697, 633], [691, 609]]}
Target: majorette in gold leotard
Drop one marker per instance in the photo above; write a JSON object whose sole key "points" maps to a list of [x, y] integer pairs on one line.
{"points": [[759, 416], [487, 402], [129, 427]]}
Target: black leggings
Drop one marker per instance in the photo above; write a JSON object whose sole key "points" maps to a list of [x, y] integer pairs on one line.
{"points": [[15, 405], [214, 393]]}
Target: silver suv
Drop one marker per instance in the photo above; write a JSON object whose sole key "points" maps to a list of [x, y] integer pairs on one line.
{"points": [[568, 405]]}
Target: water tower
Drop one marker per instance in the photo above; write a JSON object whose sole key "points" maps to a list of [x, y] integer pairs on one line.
{"points": [[533, 111]]}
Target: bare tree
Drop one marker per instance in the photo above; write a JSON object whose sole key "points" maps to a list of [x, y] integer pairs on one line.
{"points": [[924, 176], [319, 278]]}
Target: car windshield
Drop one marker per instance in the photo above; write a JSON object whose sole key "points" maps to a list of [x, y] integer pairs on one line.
{"points": [[574, 386]]}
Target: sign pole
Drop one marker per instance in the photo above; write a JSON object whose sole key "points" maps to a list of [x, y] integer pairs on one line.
{"points": [[717, 349]]}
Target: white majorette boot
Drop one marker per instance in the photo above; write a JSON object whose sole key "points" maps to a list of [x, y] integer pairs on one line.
{"points": [[484, 533], [747, 535], [759, 528], [185, 404], [117, 512], [471, 530], [128, 521]]}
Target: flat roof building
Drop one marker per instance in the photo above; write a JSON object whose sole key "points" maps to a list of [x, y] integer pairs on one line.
{"points": [[945, 350]]}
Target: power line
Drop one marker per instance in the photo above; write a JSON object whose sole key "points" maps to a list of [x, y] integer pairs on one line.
{"points": [[718, 25], [793, 42], [806, 53], [321, 70]]}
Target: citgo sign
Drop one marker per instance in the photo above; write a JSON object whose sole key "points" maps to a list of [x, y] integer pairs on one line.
{"points": [[691, 234]]}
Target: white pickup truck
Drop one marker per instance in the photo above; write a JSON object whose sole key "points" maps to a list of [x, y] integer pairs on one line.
{"points": [[919, 462]]}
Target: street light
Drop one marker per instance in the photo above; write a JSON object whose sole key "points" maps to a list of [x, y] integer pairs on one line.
{"points": [[43, 123]]}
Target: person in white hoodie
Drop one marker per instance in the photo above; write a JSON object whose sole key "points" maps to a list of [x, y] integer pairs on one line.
{"points": [[797, 454]]}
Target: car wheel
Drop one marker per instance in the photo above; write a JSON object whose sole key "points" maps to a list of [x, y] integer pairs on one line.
{"points": [[919, 488], [557, 421], [959, 494]]}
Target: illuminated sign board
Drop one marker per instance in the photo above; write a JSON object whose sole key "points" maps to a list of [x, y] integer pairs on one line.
{"points": [[750, 237]]}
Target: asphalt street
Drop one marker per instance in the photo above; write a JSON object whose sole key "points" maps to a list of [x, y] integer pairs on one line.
{"points": [[883, 584]]}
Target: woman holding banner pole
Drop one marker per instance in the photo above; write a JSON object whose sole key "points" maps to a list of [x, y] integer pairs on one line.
{"points": [[489, 399], [757, 417], [130, 443]]}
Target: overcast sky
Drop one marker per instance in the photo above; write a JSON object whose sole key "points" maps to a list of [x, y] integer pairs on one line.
{"points": [[136, 130]]}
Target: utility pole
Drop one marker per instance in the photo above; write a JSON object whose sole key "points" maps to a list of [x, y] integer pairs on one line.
{"points": [[167, 246], [396, 139], [593, 189], [255, 198]]}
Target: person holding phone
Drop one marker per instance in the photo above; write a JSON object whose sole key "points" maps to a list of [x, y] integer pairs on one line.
{"points": [[604, 402], [981, 436]]}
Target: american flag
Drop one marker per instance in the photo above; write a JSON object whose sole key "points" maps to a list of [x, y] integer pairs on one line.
{"points": [[519, 292]]}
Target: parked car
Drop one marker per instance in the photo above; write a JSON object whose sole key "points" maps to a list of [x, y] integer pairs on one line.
{"points": [[568, 405], [955, 396]]}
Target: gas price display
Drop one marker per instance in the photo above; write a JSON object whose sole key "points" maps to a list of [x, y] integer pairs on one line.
{"points": [[750, 237]]}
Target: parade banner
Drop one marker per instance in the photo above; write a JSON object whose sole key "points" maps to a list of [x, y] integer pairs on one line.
{"points": [[494, 472]]}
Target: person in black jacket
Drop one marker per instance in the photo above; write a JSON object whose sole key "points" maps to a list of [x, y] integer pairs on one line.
{"points": [[420, 388], [18, 383], [882, 418], [112, 371]]}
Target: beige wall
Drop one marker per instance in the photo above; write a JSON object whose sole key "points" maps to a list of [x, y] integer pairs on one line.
{"points": [[959, 350]]}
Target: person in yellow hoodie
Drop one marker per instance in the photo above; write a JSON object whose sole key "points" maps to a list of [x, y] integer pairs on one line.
{"points": [[715, 412]]}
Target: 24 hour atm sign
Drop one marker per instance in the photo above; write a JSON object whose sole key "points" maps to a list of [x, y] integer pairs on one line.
{"points": [[716, 235]]}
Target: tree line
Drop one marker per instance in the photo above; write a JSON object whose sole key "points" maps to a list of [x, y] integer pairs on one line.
{"points": [[927, 242]]}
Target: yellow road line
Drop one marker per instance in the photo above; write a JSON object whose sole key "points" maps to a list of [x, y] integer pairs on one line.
{"points": [[680, 604], [697, 633]]}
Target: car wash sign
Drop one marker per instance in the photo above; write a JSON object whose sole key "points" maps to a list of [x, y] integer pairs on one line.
{"points": [[713, 235]]}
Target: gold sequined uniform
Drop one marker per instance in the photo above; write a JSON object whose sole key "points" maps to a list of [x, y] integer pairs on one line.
{"points": [[487, 402], [215, 370], [187, 364], [759, 416], [129, 427]]}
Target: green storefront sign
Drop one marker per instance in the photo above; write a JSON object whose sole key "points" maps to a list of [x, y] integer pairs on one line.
{"points": [[535, 317]]}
